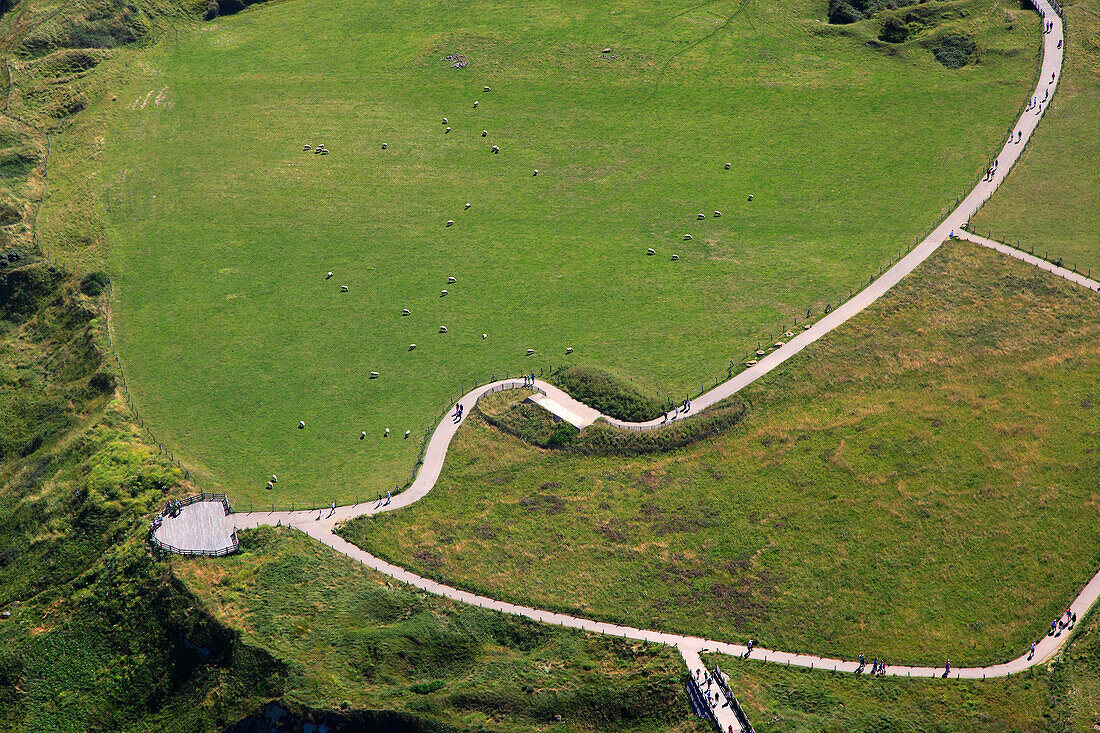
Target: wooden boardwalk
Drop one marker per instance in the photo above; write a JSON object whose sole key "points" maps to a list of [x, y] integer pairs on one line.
{"points": [[200, 527]]}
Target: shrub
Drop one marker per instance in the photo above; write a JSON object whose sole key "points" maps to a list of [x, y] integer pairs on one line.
{"points": [[894, 30], [102, 382], [955, 50], [212, 11], [94, 283], [842, 13]]}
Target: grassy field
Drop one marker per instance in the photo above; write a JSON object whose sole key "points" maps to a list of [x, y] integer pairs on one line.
{"points": [[354, 638], [1051, 202], [789, 700], [221, 228], [918, 485]]}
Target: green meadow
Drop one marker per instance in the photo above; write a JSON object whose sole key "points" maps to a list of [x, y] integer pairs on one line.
{"points": [[221, 228], [918, 486]]}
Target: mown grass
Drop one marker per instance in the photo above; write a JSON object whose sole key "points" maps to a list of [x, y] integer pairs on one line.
{"points": [[221, 228], [1051, 202], [918, 485], [353, 637]]}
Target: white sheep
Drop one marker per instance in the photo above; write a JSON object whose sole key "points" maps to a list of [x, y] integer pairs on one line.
{"points": [[495, 149], [466, 207], [687, 237], [452, 280], [675, 258], [412, 346], [484, 133], [569, 349], [408, 433], [363, 435], [328, 275], [443, 294], [727, 166], [301, 424], [487, 89], [651, 251], [700, 217], [305, 147], [443, 329], [717, 214], [384, 146], [446, 131], [406, 312], [374, 375], [484, 336], [475, 104], [387, 433], [450, 223], [530, 351], [750, 197], [444, 120], [536, 172], [343, 288]]}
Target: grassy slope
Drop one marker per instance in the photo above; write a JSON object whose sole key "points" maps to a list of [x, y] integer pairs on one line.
{"points": [[920, 484], [1051, 202], [354, 636], [222, 227]]}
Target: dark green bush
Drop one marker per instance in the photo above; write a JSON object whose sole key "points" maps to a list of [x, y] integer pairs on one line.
{"points": [[212, 11], [894, 30], [94, 283], [842, 13], [955, 50], [423, 688], [102, 382]]}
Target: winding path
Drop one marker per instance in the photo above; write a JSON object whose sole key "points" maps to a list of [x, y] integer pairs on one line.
{"points": [[195, 526]]}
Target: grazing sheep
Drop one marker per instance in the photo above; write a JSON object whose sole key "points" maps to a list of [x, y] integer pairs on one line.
{"points": [[384, 146], [530, 351], [450, 222], [700, 217], [487, 89], [374, 375], [606, 50], [323, 152], [387, 433], [444, 120], [466, 207], [569, 349], [328, 275], [536, 172], [484, 133], [446, 131], [408, 433], [301, 424], [484, 336], [406, 312], [675, 258], [443, 329], [269, 485], [717, 214], [475, 105], [651, 251], [363, 435], [750, 197], [727, 166], [274, 479], [687, 237], [305, 147], [495, 149], [443, 294], [343, 288], [452, 280], [318, 151], [412, 346]]}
